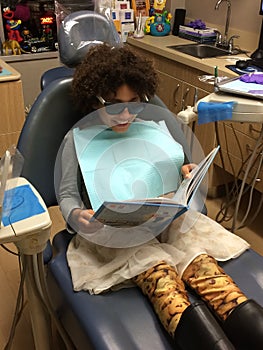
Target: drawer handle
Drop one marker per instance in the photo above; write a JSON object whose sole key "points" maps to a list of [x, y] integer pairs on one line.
{"points": [[251, 129], [184, 98], [174, 95], [249, 149]]}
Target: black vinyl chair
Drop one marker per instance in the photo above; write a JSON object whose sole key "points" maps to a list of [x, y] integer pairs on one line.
{"points": [[116, 320], [55, 74]]}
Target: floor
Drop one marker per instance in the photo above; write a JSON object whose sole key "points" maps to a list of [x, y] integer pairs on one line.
{"points": [[10, 277]]}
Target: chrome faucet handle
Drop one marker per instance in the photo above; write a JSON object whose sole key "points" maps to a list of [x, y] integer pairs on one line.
{"points": [[231, 42], [218, 37]]}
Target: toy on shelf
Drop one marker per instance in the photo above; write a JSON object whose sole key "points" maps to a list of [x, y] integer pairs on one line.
{"points": [[159, 22], [46, 24], [26, 33], [12, 46], [12, 25]]}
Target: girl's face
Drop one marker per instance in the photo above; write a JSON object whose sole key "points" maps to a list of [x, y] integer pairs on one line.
{"points": [[119, 122]]}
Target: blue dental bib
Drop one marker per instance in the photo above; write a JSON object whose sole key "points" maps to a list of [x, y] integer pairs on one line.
{"points": [[143, 162]]}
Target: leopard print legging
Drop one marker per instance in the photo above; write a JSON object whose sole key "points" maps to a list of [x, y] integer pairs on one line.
{"points": [[166, 290], [214, 286], [167, 293]]}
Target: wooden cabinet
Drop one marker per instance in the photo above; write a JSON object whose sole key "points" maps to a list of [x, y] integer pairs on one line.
{"points": [[12, 112], [238, 141], [177, 94]]}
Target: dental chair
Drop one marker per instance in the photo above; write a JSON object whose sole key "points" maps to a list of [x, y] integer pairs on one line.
{"points": [[117, 320]]}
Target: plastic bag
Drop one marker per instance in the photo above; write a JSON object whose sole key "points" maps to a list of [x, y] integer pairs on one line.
{"points": [[82, 25], [11, 165]]}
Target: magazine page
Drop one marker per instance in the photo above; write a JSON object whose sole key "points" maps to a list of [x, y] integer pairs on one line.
{"points": [[127, 214], [189, 186]]}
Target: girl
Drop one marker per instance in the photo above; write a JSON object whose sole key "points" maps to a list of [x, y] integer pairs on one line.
{"points": [[117, 83]]}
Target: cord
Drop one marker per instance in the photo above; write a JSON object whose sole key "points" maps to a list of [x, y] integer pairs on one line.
{"points": [[237, 191], [252, 159], [230, 193], [241, 225], [19, 307], [9, 250], [42, 278]]}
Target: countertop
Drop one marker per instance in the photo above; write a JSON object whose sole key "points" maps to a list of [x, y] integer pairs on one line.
{"points": [[158, 45], [8, 73], [31, 56]]}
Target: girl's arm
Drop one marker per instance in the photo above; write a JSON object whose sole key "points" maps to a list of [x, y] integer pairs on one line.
{"points": [[67, 189]]}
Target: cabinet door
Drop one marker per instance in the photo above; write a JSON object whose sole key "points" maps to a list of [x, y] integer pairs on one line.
{"points": [[12, 113], [190, 95], [170, 91], [176, 94]]}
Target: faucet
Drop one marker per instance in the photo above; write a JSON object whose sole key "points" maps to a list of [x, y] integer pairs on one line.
{"points": [[224, 41]]}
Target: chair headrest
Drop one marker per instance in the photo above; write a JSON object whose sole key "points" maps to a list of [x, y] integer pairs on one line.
{"points": [[79, 31]]}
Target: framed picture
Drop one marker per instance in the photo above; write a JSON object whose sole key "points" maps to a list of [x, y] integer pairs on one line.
{"points": [[141, 6]]}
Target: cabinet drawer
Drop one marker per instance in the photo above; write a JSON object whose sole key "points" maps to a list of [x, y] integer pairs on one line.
{"points": [[235, 142], [236, 149], [250, 129], [234, 166]]}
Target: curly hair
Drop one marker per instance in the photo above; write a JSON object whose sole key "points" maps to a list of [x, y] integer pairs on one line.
{"points": [[105, 69]]}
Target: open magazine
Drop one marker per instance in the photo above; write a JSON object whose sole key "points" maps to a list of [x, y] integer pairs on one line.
{"points": [[155, 211]]}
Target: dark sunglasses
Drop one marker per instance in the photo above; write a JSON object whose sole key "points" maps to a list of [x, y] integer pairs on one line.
{"points": [[113, 108]]}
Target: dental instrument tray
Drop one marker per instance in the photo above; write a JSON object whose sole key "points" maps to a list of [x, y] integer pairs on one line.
{"points": [[249, 85]]}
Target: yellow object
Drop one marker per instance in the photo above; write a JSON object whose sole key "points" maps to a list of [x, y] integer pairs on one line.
{"points": [[159, 5], [167, 293], [148, 22], [158, 23], [14, 46], [214, 286], [117, 24]]}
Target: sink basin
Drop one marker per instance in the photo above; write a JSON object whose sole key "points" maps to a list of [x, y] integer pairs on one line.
{"points": [[200, 50]]}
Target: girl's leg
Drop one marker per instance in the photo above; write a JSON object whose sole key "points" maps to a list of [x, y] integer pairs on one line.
{"points": [[210, 281], [242, 318], [167, 293]]}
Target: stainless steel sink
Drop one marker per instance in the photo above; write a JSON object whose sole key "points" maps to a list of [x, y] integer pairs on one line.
{"points": [[201, 50]]}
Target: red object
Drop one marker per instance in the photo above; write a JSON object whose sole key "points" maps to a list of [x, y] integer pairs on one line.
{"points": [[12, 25], [47, 20], [22, 12]]}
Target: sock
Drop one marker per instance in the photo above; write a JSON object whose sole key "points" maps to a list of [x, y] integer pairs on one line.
{"points": [[167, 293], [214, 286]]}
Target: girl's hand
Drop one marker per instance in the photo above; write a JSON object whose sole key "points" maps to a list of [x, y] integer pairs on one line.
{"points": [[81, 221], [186, 170]]}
